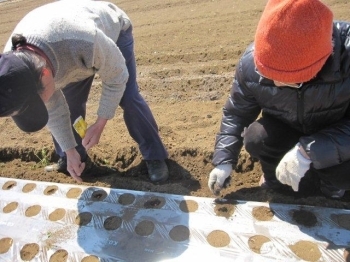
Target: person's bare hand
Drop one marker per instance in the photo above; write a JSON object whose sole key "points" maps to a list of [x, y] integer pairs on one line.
{"points": [[93, 133], [74, 165]]}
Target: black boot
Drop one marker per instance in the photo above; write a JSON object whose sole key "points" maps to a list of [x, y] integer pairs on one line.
{"points": [[157, 170], [331, 191]]}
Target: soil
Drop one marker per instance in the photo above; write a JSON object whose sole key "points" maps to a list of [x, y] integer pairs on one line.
{"points": [[59, 255], [90, 259], [255, 243], [262, 213], [126, 199], [188, 206], [10, 207], [57, 214], [186, 56], [179, 233], [29, 251], [303, 217], [224, 209], [144, 228], [306, 250], [33, 211], [218, 238], [5, 244]]}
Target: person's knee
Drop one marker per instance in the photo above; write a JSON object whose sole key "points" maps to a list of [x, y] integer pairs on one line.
{"points": [[253, 139], [128, 100]]}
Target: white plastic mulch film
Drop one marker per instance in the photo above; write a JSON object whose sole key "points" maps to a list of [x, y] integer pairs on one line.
{"points": [[42, 221]]}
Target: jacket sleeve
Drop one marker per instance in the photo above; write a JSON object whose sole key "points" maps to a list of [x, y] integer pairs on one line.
{"points": [[110, 66], [240, 110], [59, 122], [330, 146]]}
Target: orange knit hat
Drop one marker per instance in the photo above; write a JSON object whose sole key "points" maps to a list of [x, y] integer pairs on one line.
{"points": [[293, 40]]}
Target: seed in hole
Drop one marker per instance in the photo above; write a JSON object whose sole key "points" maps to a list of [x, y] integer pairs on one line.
{"points": [[112, 223], [9, 184], [155, 202], [98, 195], [50, 190]]}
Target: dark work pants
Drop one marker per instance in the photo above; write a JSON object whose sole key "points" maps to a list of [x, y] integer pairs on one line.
{"points": [[268, 140], [138, 117]]}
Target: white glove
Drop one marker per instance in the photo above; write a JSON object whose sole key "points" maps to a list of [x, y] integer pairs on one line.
{"points": [[218, 176], [292, 168]]}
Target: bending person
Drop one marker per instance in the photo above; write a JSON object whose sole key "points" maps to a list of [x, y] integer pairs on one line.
{"points": [[49, 65]]}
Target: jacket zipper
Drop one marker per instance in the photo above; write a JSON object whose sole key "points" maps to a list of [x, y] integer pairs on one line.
{"points": [[300, 107]]}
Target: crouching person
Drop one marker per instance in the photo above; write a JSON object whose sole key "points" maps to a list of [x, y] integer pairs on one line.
{"points": [[296, 77]]}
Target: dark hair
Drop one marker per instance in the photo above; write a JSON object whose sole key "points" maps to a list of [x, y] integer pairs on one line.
{"points": [[17, 41], [35, 62]]}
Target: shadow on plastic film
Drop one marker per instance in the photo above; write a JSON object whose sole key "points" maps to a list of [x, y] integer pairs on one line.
{"points": [[297, 227], [322, 224], [131, 225]]}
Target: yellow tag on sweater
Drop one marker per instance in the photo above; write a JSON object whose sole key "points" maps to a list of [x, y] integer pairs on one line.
{"points": [[80, 126]]}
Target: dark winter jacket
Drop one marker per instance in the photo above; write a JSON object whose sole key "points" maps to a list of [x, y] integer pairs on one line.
{"points": [[319, 109]]}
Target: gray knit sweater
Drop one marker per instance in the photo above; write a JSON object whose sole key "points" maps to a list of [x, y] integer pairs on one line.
{"points": [[79, 39]]}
